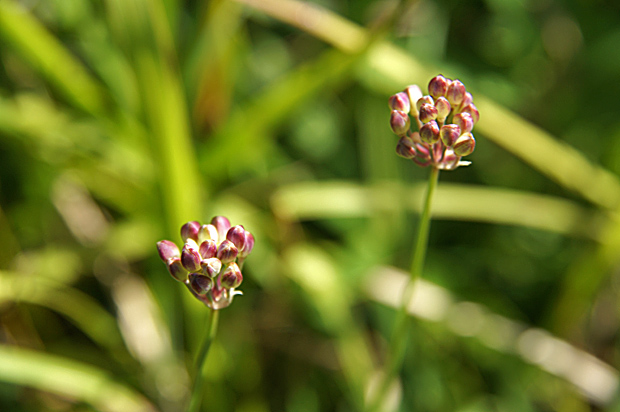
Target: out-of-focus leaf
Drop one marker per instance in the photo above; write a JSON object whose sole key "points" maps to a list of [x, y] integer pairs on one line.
{"points": [[65, 377], [323, 200], [47, 55]]}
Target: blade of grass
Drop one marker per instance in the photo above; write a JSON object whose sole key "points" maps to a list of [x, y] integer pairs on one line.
{"points": [[324, 200], [47, 55], [66, 377]]}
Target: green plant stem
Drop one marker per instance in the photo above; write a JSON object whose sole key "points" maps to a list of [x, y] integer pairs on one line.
{"points": [[400, 333], [197, 390]]}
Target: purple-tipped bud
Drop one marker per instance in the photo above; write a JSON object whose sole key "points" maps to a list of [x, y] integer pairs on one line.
{"points": [[190, 257], [465, 145], [424, 100], [438, 86], [464, 121], [190, 231], [208, 249], [232, 277], [236, 234], [468, 99], [399, 122], [414, 93], [167, 250], [443, 108], [211, 267], [222, 225], [400, 101], [176, 269], [200, 284], [207, 232], [429, 133], [473, 111], [227, 252], [449, 133], [405, 148], [428, 112], [456, 93], [248, 246]]}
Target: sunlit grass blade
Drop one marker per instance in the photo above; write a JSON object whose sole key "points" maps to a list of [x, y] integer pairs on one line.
{"points": [[66, 377], [47, 55], [325, 200]]}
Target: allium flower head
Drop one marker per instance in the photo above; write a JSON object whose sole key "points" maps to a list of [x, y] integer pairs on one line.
{"points": [[209, 262], [442, 121]]}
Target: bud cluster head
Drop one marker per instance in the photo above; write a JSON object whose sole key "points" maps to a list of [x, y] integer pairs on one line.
{"points": [[210, 260], [445, 119]]}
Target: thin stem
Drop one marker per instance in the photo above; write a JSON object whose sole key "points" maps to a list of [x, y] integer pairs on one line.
{"points": [[197, 390], [400, 333]]}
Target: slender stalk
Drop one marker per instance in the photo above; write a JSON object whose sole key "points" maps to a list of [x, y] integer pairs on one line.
{"points": [[197, 390], [400, 333]]}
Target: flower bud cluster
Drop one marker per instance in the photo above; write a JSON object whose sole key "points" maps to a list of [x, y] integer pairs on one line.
{"points": [[210, 261], [444, 118]]}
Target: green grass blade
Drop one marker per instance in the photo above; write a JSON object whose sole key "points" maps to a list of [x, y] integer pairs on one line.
{"points": [[66, 377]]}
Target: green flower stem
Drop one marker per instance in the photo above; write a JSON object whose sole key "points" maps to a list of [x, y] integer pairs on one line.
{"points": [[197, 390], [400, 333]]}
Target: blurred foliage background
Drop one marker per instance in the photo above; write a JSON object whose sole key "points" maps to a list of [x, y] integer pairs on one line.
{"points": [[120, 120]]}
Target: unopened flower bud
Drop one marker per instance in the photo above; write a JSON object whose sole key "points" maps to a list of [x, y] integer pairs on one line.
{"points": [[236, 234], [200, 284], [227, 252], [424, 100], [190, 258], [429, 133], [473, 111], [428, 112], [464, 121], [443, 108], [211, 267], [456, 93], [400, 101], [176, 269], [438, 86], [207, 232], [190, 231], [449, 133], [167, 250], [248, 246], [464, 145], [208, 249], [405, 148], [222, 225], [232, 277], [414, 92], [399, 122], [468, 99]]}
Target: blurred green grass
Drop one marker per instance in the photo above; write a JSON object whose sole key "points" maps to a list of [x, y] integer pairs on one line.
{"points": [[121, 120]]}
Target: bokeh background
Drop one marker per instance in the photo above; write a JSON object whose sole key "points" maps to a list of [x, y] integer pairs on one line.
{"points": [[120, 120]]}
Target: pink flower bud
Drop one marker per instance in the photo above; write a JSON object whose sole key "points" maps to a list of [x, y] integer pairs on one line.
{"points": [[456, 93], [232, 277], [167, 250], [399, 122], [449, 133], [473, 111], [236, 234], [208, 249], [227, 252], [211, 267], [438, 86], [400, 101], [176, 269], [464, 121], [429, 133], [190, 258], [405, 148], [443, 108], [207, 232], [248, 246], [190, 231], [464, 145], [222, 225], [200, 284], [428, 112], [424, 100]]}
